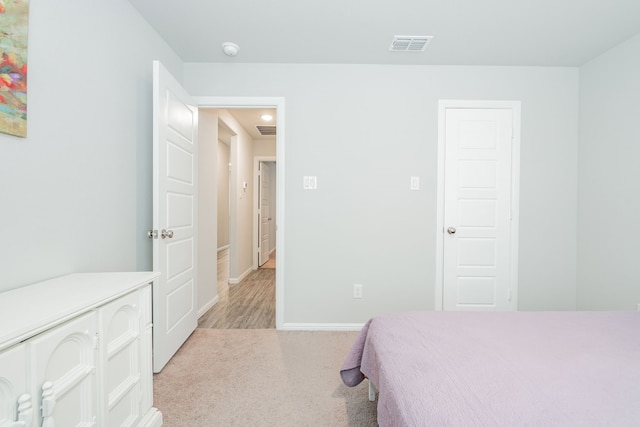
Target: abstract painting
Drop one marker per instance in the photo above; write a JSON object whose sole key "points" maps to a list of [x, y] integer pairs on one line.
{"points": [[14, 31]]}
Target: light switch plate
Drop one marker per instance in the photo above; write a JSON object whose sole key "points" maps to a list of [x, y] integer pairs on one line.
{"points": [[415, 183], [310, 183]]}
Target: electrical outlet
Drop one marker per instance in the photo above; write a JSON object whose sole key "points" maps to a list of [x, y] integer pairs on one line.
{"points": [[357, 291]]}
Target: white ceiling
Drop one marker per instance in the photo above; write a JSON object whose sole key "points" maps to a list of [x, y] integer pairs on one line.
{"points": [[466, 32], [249, 118]]}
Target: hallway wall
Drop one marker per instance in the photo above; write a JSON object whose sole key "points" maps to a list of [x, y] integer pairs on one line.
{"points": [[223, 194]]}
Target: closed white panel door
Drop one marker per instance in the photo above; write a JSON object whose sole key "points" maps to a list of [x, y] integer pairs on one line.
{"points": [[174, 205], [477, 209], [263, 212]]}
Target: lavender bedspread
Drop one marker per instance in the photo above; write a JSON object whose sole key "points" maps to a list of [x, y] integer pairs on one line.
{"points": [[501, 369]]}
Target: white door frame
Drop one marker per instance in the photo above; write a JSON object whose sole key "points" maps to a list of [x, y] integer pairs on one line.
{"points": [[443, 105], [256, 201], [279, 104]]}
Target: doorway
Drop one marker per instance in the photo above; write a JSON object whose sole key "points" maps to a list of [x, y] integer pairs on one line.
{"points": [[245, 294], [189, 242], [478, 201], [240, 169], [265, 211]]}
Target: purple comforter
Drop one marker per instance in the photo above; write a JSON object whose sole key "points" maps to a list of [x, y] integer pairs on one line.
{"points": [[501, 368]]}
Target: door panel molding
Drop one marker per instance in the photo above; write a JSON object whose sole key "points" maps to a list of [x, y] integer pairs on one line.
{"points": [[443, 105]]}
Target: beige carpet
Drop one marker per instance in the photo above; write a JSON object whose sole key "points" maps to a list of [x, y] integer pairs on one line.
{"points": [[261, 377]]}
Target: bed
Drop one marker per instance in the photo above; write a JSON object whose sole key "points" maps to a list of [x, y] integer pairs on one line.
{"points": [[501, 368]]}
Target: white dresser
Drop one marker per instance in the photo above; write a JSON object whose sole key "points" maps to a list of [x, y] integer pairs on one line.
{"points": [[76, 351]]}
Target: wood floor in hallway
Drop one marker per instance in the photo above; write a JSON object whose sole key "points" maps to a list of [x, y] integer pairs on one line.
{"points": [[250, 304]]}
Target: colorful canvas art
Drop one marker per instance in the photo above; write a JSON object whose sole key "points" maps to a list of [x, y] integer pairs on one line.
{"points": [[14, 31]]}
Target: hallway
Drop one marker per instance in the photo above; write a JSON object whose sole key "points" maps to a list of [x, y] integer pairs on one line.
{"points": [[250, 304]]}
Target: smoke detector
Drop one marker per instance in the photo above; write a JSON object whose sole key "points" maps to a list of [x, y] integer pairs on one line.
{"points": [[409, 43], [230, 49]]}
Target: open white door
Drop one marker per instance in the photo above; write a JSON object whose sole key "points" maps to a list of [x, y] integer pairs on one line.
{"points": [[264, 218], [175, 130]]}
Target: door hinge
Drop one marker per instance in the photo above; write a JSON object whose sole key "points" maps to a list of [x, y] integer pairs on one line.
{"points": [[96, 342], [509, 295], [152, 234]]}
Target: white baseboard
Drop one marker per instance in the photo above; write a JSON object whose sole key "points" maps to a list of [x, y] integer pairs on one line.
{"points": [[207, 306], [288, 326], [236, 280]]}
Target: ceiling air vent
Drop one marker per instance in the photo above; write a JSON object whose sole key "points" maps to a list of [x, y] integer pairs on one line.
{"points": [[266, 130], [409, 43]]}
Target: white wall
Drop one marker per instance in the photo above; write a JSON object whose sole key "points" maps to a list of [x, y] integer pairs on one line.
{"points": [[241, 219], [609, 180], [264, 147], [378, 128], [223, 195], [76, 193], [207, 267]]}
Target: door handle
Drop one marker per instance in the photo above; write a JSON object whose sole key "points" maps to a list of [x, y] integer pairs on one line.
{"points": [[451, 230], [166, 234]]}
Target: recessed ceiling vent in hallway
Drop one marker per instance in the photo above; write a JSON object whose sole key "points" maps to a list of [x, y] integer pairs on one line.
{"points": [[409, 43], [266, 130]]}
